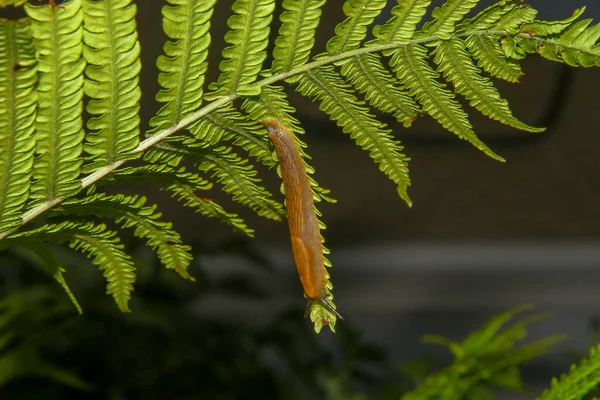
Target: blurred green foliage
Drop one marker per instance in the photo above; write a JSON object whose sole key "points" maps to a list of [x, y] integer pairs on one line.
{"points": [[165, 349]]}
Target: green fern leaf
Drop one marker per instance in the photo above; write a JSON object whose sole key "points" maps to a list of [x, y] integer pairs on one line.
{"points": [[248, 38], [237, 175], [401, 27], [546, 28], [380, 88], [183, 65], [410, 65], [446, 17], [296, 34], [486, 49], [353, 30], [59, 130], [18, 101], [208, 207], [45, 258], [456, 65], [130, 211], [337, 100], [112, 53], [273, 103], [185, 187], [366, 72], [487, 17], [581, 380], [491, 58], [228, 124], [98, 242], [487, 356], [576, 45]]}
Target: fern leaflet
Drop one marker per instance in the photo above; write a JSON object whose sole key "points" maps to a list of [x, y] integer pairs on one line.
{"points": [[338, 101], [130, 211], [248, 38], [413, 71], [112, 81], [183, 65], [236, 174], [18, 98], [297, 33], [59, 130], [185, 187], [95, 241], [457, 67]]}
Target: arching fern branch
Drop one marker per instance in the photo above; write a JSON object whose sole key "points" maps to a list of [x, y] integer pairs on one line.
{"points": [[403, 71]]}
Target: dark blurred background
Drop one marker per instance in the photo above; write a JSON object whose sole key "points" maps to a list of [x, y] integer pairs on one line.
{"points": [[482, 236]]}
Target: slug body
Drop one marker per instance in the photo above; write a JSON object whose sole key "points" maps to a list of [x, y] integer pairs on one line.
{"points": [[302, 220]]}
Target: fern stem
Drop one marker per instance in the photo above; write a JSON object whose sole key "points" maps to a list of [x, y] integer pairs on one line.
{"points": [[222, 100]]}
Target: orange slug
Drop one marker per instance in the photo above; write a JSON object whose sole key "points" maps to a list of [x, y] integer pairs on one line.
{"points": [[305, 235]]}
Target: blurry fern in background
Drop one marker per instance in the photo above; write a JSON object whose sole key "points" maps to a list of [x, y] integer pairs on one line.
{"points": [[54, 164]]}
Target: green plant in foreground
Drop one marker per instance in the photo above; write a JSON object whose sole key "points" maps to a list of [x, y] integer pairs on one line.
{"points": [[54, 164]]}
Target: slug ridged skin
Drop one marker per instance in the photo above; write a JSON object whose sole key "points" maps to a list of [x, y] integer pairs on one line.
{"points": [[302, 220]]}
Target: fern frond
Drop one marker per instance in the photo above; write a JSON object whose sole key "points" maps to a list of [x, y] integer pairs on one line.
{"points": [[248, 37], [112, 52], [575, 46], [273, 103], [581, 380], [296, 34], [445, 18], [491, 59], [413, 71], [208, 207], [506, 17], [511, 21], [456, 65], [184, 186], [337, 100], [45, 258], [380, 88], [95, 241], [18, 102], [236, 174], [403, 24], [58, 39], [228, 124], [183, 65], [488, 16], [365, 71], [353, 30], [546, 28], [131, 211]]}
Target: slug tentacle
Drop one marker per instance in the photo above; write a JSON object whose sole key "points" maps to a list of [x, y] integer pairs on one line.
{"points": [[305, 235]]}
